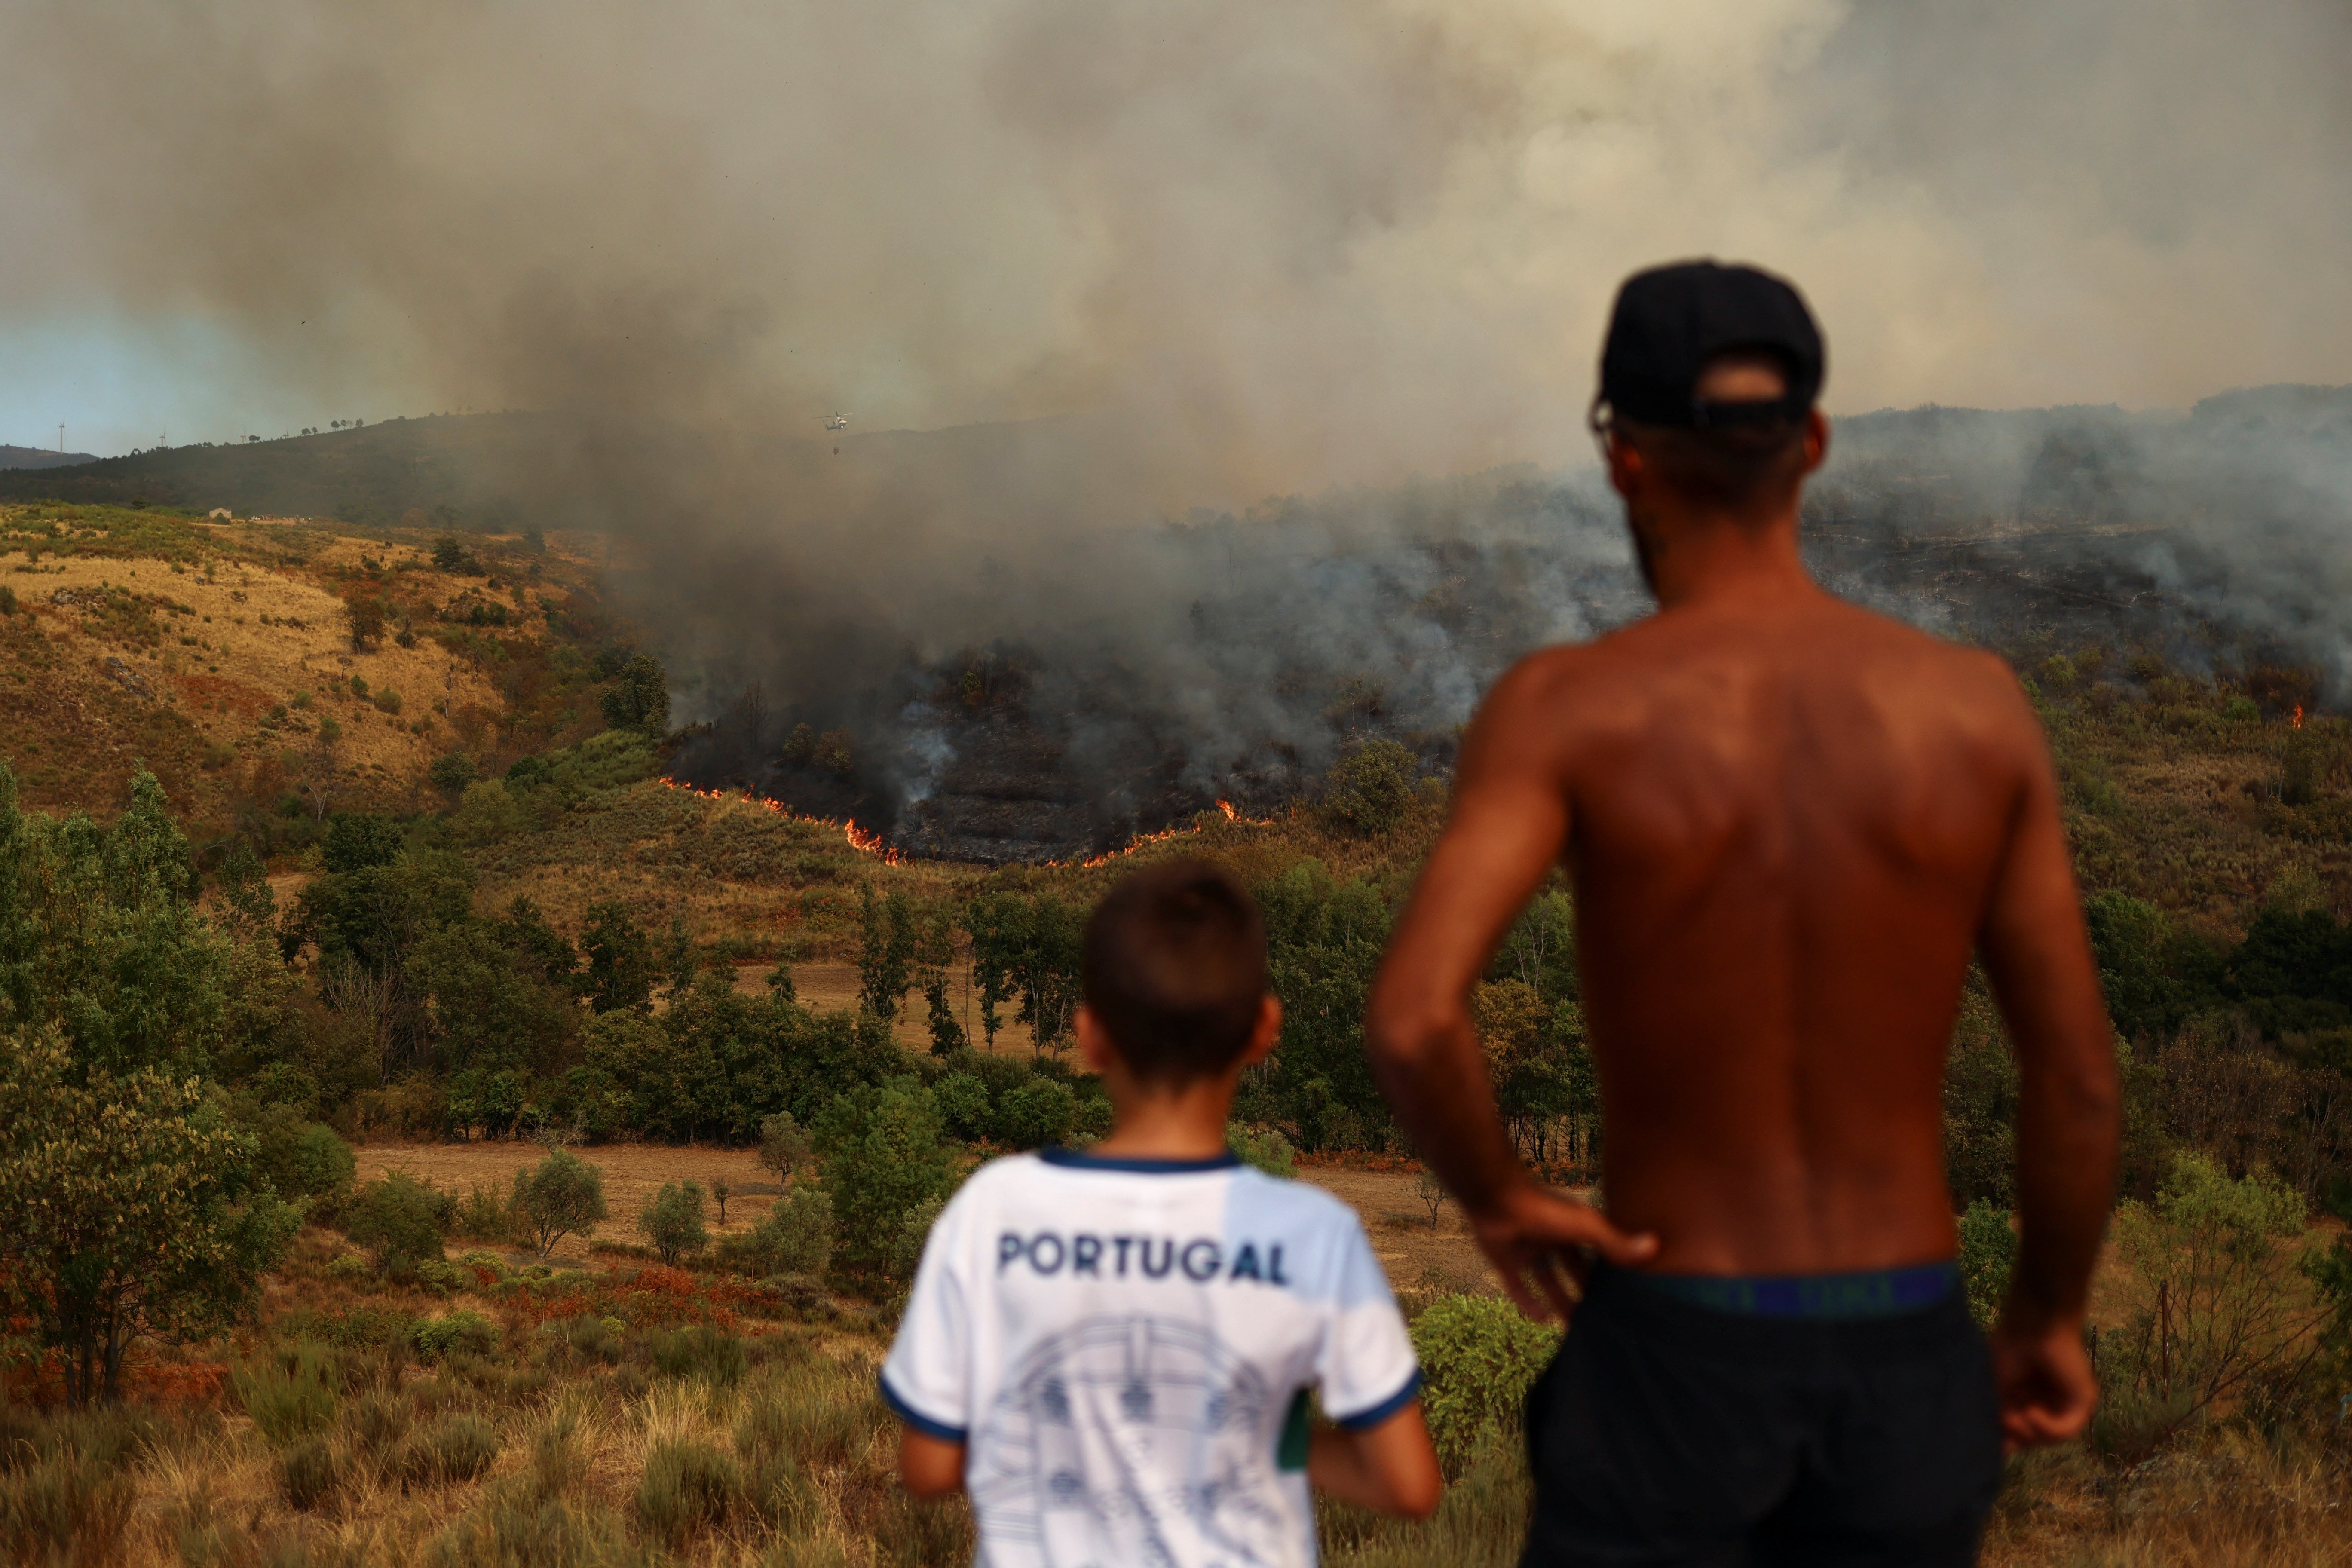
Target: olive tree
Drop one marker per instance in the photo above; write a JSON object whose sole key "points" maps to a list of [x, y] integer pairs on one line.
{"points": [[562, 1195], [131, 1207], [673, 1222]]}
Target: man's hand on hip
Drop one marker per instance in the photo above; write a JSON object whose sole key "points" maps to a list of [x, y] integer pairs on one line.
{"points": [[1535, 1234]]}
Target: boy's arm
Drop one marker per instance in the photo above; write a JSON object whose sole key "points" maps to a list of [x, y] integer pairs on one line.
{"points": [[931, 1466], [1388, 1468]]}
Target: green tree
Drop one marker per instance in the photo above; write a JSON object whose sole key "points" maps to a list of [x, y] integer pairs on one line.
{"points": [[680, 960], [101, 942], [883, 1152], [673, 1222], [620, 973], [1026, 948], [562, 1195], [638, 698], [130, 1207], [934, 954], [783, 1147], [1372, 788], [365, 618], [1324, 940], [885, 950]]}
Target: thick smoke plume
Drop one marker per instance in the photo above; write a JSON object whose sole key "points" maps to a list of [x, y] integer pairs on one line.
{"points": [[1133, 263]]}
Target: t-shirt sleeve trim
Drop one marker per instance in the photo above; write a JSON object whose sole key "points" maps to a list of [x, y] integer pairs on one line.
{"points": [[1364, 1420], [924, 1423]]}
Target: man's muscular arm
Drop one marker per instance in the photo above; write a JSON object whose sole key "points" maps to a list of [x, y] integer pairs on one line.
{"points": [[1509, 824], [2038, 956]]}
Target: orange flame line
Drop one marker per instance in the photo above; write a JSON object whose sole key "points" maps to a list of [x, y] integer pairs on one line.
{"points": [[864, 843], [1146, 840], [867, 843], [2297, 720]]}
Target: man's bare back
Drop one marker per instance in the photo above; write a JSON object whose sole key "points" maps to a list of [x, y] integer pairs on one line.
{"points": [[1788, 822], [1783, 820]]}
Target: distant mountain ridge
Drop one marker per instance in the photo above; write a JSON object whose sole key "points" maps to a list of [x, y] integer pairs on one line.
{"points": [[39, 458]]}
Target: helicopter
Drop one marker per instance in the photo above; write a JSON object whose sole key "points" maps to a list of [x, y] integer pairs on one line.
{"points": [[839, 421]]}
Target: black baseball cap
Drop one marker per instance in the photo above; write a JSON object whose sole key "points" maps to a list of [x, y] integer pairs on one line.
{"points": [[1670, 320]]}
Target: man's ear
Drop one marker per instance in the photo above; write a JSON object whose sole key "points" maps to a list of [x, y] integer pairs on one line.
{"points": [[1268, 1031], [1817, 438], [1627, 467]]}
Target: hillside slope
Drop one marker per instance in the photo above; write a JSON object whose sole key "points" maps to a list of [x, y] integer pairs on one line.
{"points": [[223, 655], [39, 458]]}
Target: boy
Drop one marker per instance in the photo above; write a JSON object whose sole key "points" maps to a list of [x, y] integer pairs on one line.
{"points": [[1112, 1350]]}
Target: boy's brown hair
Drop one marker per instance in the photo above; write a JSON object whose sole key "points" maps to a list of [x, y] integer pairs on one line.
{"points": [[1173, 967]]}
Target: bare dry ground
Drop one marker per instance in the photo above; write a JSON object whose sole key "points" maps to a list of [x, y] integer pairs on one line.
{"points": [[1416, 1255]]}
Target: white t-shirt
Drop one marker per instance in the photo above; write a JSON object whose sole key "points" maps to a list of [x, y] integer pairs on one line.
{"points": [[1126, 1346]]}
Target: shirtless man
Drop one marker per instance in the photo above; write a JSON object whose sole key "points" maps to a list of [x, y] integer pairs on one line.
{"points": [[1789, 822]]}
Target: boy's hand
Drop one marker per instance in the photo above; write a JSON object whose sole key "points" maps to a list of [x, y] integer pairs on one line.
{"points": [[1532, 1231], [931, 1466], [1388, 1468]]}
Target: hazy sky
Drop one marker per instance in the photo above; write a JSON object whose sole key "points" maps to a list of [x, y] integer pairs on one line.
{"points": [[1324, 240]]}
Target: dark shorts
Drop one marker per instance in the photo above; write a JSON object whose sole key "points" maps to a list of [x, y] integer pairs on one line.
{"points": [[1668, 1433]]}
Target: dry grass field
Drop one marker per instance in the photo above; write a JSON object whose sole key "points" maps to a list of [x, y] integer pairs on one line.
{"points": [[1417, 1254]]}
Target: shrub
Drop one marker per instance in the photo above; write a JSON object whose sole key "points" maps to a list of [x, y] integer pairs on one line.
{"points": [[595, 1338], [377, 1422], [1371, 789], [1264, 1147], [309, 1473], [687, 1486], [482, 1217], [962, 1104], [518, 1530], [1480, 1357], [712, 1354], [1036, 1114], [562, 1195], [288, 1395], [2224, 1313], [914, 1235], [796, 1235], [452, 773], [454, 1449], [466, 1331], [673, 1221], [388, 700], [399, 1219], [1988, 1255], [439, 1276]]}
